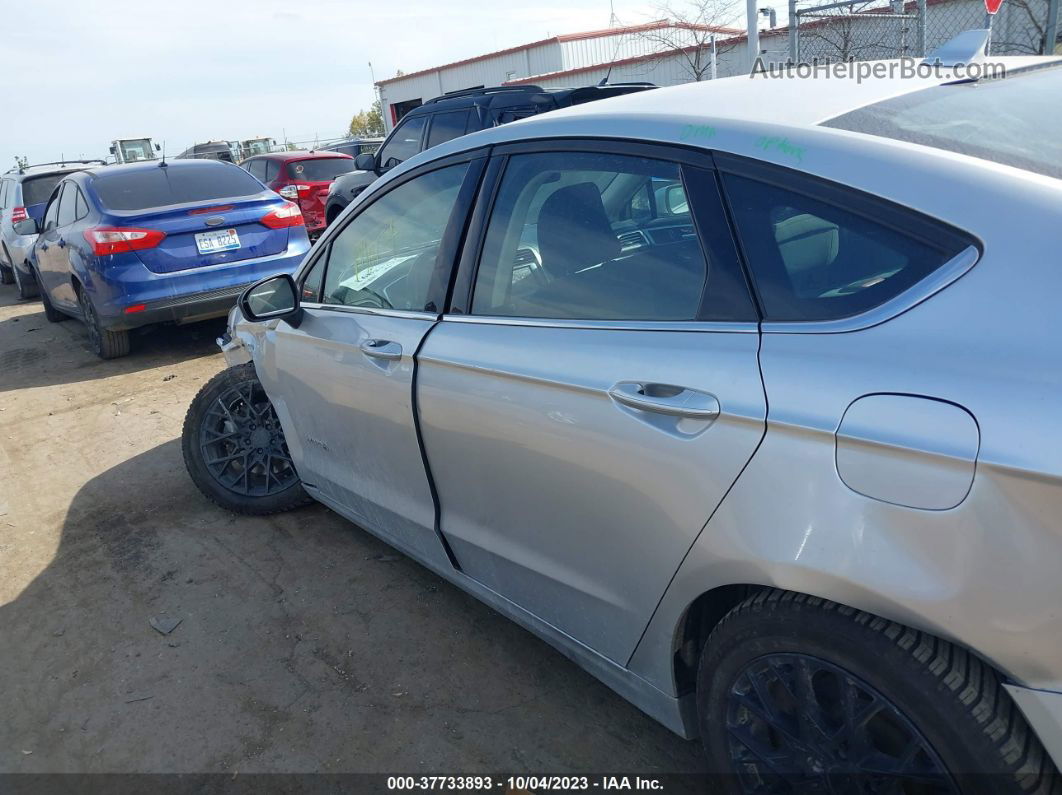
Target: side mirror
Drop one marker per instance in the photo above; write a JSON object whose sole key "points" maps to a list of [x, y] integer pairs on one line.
{"points": [[27, 226], [365, 162], [112, 150], [274, 297], [675, 200], [158, 148]]}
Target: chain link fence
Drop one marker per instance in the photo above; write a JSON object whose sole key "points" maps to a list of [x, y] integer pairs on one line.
{"points": [[875, 29]]}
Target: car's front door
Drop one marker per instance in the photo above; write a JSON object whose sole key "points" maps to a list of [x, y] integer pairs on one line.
{"points": [[586, 409], [52, 263], [342, 379]]}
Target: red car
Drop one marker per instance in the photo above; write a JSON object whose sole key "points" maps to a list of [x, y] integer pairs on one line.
{"points": [[302, 177]]}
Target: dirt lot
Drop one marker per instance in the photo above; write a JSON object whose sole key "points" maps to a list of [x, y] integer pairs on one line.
{"points": [[305, 644]]}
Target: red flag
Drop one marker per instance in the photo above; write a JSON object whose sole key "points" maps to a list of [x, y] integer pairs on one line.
{"points": [[992, 6]]}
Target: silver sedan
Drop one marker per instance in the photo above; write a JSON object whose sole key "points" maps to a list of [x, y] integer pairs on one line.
{"points": [[743, 394]]}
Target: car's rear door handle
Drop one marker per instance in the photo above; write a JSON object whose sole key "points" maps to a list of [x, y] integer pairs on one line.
{"points": [[675, 401], [382, 349]]}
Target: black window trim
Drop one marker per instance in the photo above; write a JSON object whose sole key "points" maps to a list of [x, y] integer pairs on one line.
{"points": [[460, 302], [889, 214], [394, 131], [445, 261]]}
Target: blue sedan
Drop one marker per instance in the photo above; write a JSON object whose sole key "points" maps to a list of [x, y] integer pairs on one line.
{"points": [[127, 246]]}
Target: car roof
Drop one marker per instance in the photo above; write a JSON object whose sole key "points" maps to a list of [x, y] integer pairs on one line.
{"points": [[144, 165], [744, 115]]}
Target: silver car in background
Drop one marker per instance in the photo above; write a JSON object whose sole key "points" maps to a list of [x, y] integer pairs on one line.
{"points": [[24, 194], [743, 394]]}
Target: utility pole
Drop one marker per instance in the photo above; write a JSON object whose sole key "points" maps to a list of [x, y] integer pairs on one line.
{"points": [[753, 16]]}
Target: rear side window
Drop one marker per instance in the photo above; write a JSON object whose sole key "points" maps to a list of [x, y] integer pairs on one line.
{"points": [[67, 206], [447, 126], [161, 187], [321, 169], [36, 190], [256, 168], [834, 254], [272, 168]]}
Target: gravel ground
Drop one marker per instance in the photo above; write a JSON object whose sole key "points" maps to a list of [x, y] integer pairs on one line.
{"points": [[305, 644]]}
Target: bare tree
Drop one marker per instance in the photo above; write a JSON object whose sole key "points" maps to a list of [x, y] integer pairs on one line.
{"points": [[688, 36], [844, 34]]}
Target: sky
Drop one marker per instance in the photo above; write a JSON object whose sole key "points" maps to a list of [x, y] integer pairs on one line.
{"points": [[80, 74]]}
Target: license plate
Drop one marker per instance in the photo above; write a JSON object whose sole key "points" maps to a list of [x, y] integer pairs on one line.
{"points": [[213, 242]]}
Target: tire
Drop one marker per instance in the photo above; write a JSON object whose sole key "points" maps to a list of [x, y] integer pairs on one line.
{"points": [[234, 447], [26, 288], [6, 275], [104, 343], [50, 312], [929, 698]]}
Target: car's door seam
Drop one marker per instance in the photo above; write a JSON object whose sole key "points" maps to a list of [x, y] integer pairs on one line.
{"points": [[415, 403]]}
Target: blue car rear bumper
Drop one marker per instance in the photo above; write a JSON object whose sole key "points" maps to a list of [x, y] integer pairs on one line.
{"points": [[182, 296]]}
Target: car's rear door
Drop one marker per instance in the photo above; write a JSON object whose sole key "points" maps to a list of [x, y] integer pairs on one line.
{"points": [[342, 378], [594, 389]]}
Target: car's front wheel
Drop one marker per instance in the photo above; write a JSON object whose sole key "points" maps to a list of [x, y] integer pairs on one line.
{"points": [[6, 274], [799, 694], [234, 447]]}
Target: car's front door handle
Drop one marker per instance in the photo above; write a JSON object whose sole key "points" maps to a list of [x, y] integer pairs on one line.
{"points": [[675, 401], [382, 349], [62, 243]]}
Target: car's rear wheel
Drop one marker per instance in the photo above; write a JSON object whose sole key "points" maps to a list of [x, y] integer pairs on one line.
{"points": [[104, 343], [796, 693], [234, 447], [27, 287], [6, 274], [50, 312]]}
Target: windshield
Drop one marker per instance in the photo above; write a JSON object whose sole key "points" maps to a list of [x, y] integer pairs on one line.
{"points": [[321, 169], [161, 187], [136, 149], [1002, 120], [36, 190]]}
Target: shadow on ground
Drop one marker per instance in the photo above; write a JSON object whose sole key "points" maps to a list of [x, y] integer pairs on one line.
{"points": [[35, 352], [304, 644]]}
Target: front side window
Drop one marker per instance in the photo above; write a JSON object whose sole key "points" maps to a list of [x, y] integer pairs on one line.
{"points": [[818, 259], [581, 236], [385, 257], [404, 143], [53, 210]]}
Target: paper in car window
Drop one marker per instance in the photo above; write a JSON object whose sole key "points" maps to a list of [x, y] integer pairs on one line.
{"points": [[366, 276]]}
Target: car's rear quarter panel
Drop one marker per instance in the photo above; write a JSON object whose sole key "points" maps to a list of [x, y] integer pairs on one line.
{"points": [[984, 573]]}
